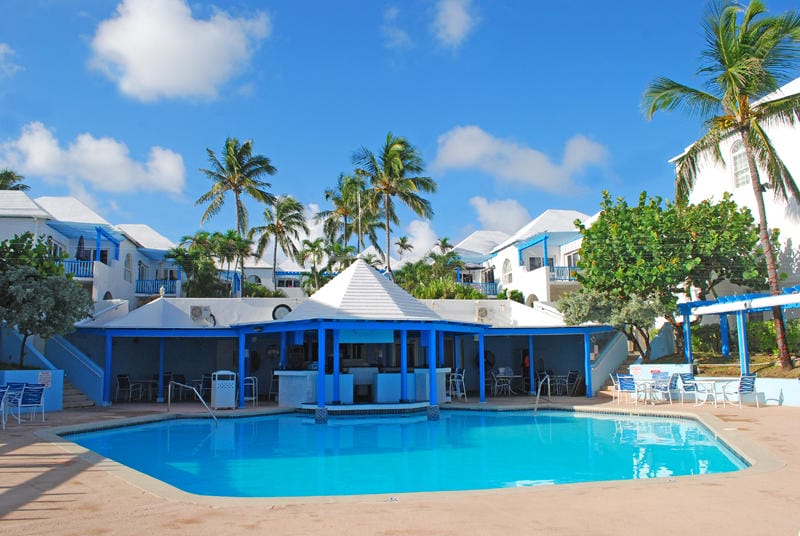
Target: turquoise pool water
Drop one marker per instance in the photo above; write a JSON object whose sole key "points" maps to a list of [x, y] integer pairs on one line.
{"points": [[289, 455]]}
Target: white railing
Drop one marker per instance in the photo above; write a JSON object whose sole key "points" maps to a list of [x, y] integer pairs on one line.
{"points": [[194, 389]]}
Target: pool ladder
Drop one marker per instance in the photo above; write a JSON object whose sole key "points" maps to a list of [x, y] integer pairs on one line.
{"points": [[194, 389], [545, 379]]}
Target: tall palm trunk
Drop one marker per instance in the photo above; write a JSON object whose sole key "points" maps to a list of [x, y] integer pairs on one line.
{"points": [[388, 238], [769, 254], [275, 265], [241, 231]]}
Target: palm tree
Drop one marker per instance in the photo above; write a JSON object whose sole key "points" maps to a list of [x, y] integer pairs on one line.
{"points": [[444, 244], [747, 56], [10, 180], [345, 208], [339, 256], [403, 245], [388, 173], [313, 250], [240, 172], [284, 220]]}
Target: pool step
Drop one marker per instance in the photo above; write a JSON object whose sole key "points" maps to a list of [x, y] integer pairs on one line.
{"points": [[74, 398]]}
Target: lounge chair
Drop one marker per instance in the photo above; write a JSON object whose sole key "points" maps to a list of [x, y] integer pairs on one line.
{"points": [[663, 384], [745, 386], [31, 397]]}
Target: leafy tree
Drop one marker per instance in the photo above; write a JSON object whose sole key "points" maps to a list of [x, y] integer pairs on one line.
{"points": [[512, 294], [197, 255], [339, 256], [345, 199], [748, 55], [388, 173], [285, 219], [444, 244], [403, 245], [446, 288], [241, 173], [313, 250], [10, 180], [445, 264]]}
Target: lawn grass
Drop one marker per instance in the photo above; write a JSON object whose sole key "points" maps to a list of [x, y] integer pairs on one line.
{"points": [[708, 364]]}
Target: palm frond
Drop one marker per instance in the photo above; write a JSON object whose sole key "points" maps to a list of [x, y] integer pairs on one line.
{"points": [[666, 94]]}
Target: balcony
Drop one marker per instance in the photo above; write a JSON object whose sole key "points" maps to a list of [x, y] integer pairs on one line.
{"points": [[489, 289], [151, 287], [563, 273], [84, 269]]}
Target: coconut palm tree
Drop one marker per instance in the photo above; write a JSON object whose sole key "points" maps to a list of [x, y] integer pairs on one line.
{"points": [[313, 250], [403, 245], [392, 173], [444, 245], [285, 219], [241, 173], [10, 180], [748, 55], [345, 208]]}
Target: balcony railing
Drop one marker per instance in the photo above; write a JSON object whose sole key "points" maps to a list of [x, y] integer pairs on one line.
{"points": [[79, 268], [489, 288], [563, 273], [153, 286]]}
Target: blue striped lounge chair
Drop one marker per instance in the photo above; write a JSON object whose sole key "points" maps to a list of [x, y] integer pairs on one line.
{"points": [[663, 384], [625, 384], [687, 385], [745, 386]]}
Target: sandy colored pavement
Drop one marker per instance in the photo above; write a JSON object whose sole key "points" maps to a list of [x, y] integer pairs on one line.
{"points": [[54, 487]]}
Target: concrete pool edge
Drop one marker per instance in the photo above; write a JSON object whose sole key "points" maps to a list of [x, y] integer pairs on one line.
{"points": [[760, 459]]}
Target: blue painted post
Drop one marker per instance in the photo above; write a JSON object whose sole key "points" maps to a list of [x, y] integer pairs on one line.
{"points": [[161, 353], [97, 246], [403, 365], [587, 363], [457, 352], [544, 249], [440, 354], [240, 387], [481, 369], [458, 274], [725, 335], [531, 367], [107, 375], [432, 395], [687, 338], [321, 367], [282, 360], [337, 399], [744, 349]]}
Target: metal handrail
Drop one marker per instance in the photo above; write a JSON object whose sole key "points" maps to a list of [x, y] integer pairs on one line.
{"points": [[193, 388], [545, 378]]}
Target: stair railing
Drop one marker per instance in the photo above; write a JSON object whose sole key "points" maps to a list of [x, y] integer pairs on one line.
{"points": [[192, 388], [545, 379]]}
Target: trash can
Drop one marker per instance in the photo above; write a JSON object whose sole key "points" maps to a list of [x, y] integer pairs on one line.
{"points": [[223, 389]]}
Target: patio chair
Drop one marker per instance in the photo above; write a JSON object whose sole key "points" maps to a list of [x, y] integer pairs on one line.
{"points": [[502, 385], [274, 384], [687, 385], [31, 397], [457, 388], [625, 384], [745, 386], [566, 383], [178, 390], [251, 390], [124, 384], [3, 392], [663, 384]]}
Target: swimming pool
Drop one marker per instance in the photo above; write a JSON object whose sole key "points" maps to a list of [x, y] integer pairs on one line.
{"points": [[288, 455]]}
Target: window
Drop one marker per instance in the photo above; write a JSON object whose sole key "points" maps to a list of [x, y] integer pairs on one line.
{"points": [[506, 272], [573, 258], [103, 255], [56, 248], [143, 271], [537, 262], [288, 283], [128, 274], [741, 171]]}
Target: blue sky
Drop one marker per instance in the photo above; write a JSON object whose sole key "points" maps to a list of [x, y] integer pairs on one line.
{"points": [[516, 106]]}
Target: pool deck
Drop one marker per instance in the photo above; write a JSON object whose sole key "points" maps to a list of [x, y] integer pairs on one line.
{"points": [[50, 486]]}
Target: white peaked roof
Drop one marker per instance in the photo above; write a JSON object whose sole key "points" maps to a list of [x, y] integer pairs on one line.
{"points": [[69, 209], [481, 242], [552, 220], [145, 236], [362, 293], [498, 313], [16, 204]]}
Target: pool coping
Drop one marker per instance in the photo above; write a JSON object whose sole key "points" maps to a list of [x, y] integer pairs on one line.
{"points": [[759, 459]]}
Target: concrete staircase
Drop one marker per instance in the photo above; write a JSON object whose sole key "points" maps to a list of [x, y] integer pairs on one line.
{"points": [[607, 389], [74, 397]]}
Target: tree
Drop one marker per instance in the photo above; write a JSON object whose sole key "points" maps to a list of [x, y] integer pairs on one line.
{"points": [[285, 219], [10, 180], [748, 55], [444, 245], [345, 199], [388, 173], [403, 245], [313, 250], [197, 255], [339, 256], [240, 172]]}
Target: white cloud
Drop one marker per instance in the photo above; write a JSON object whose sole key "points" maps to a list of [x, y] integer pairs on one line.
{"points": [[501, 215], [104, 164], [393, 35], [453, 22], [7, 67], [470, 147], [155, 48], [422, 236]]}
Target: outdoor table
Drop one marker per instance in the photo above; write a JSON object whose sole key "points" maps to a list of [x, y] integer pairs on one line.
{"points": [[511, 378], [150, 385], [645, 387], [708, 388]]}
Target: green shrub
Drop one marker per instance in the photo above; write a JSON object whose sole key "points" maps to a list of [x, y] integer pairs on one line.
{"points": [[760, 337]]}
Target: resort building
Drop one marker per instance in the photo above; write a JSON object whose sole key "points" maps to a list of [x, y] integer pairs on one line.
{"points": [[112, 262], [474, 251]]}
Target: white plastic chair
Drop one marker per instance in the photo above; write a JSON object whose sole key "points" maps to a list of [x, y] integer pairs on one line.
{"points": [[745, 386], [457, 388], [251, 390]]}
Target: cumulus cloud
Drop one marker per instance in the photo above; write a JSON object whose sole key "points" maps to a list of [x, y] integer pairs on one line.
{"points": [[156, 49], [422, 236], [7, 66], [453, 22], [470, 147], [501, 215], [105, 164], [393, 35]]}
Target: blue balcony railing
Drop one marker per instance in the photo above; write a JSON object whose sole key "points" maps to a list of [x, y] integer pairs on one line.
{"points": [[563, 273], [490, 288], [152, 287], [79, 268]]}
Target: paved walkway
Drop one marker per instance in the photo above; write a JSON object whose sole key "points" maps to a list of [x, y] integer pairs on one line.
{"points": [[51, 488]]}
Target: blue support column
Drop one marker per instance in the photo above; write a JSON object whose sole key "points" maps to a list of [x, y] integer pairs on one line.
{"points": [[440, 351], [687, 338], [403, 366], [587, 363], [240, 387], [531, 367], [283, 351], [161, 359], [321, 367], [744, 349], [457, 351], [337, 399], [481, 369], [107, 375], [544, 249], [725, 335], [432, 394], [458, 274]]}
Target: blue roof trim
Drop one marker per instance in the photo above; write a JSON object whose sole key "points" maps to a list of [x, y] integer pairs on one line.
{"points": [[74, 230], [154, 254]]}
